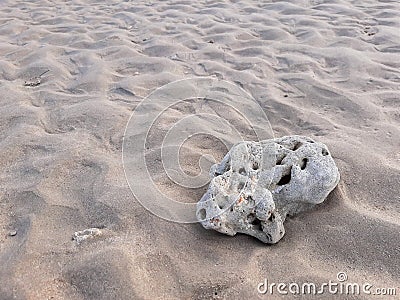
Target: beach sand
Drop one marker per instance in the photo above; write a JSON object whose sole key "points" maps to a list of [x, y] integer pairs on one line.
{"points": [[324, 69]]}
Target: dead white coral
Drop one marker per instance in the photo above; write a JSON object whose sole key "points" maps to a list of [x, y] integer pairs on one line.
{"points": [[258, 184]]}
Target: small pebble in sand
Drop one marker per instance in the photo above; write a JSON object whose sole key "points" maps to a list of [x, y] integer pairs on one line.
{"points": [[80, 236], [12, 233]]}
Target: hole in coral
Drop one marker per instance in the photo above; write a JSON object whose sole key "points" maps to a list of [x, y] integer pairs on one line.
{"points": [[325, 152], [251, 217], [279, 160], [255, 166], [202, 214], [303, 163], [242, 171], [297, 146], [285, 178], [256, 223], [258, 226]]}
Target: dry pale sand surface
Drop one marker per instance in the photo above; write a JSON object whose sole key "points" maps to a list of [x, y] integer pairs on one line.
{"points": [[324, 69]]}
